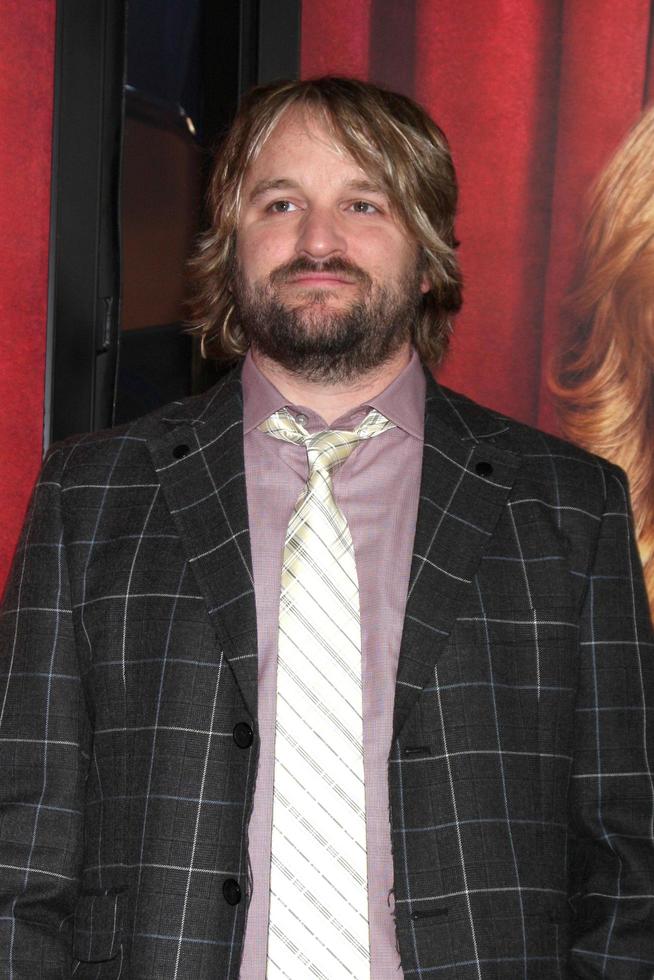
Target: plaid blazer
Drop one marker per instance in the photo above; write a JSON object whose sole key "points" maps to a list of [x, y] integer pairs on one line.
{"points": [[522, 799]]}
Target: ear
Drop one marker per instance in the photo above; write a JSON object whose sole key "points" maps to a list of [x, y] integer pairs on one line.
{"points": [[423, 267]]}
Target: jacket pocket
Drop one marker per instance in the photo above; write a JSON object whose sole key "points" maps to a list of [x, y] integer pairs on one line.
{"points": [[98, 925], [515, 672]]}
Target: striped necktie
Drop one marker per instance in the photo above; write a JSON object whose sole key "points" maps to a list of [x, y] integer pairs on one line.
{"points": [[318, 878]]}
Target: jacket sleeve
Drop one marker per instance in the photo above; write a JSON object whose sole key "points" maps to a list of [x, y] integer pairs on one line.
{"points": [[44, 747], [612, 786]]}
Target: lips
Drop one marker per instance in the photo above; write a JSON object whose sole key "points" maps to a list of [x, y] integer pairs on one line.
{"points": [[333, 272], [319, 279]]}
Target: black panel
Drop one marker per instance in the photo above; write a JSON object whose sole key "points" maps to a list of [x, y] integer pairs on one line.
{"points": [[155, 368], [245, 43], [279, 40], [85, 248]]}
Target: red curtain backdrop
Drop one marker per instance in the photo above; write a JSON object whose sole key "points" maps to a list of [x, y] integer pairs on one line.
{"points": [[26, 90], [534, 98]]}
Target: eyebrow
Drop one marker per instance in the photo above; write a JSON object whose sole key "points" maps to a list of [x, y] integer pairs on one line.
{"points": [[365, 186], [280, 183], [283, 183]]}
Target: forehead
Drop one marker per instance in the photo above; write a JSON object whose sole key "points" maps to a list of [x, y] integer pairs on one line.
{"points": [[302, 144]]}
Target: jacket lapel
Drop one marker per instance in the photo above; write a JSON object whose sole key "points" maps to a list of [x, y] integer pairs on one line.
{"points": [[464, 486], [465, 482], [200, 465]]}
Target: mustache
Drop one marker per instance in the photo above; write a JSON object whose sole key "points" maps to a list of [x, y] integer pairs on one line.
{"points": [[336, 265]]}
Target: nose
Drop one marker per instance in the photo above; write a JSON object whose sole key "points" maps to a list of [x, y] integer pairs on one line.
{"points": [[320, 235]]}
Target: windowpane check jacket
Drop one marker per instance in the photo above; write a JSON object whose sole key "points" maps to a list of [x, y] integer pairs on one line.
{"points": [[522, 797]]}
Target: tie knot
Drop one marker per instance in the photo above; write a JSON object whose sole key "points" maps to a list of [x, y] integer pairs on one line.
{"points": [[326, 450]]}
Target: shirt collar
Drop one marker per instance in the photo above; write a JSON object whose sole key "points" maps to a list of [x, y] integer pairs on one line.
{"points": [[402, 402], [260, 397]]}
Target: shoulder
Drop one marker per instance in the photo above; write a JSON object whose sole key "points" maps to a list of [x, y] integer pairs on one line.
{"points": [[124, 449], [549, 464]]}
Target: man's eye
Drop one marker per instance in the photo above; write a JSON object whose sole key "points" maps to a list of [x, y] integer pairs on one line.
{"points": [[364, 207], [282, 207]]}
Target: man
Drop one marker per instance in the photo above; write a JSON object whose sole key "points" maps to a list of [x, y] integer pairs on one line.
{"points": [[442, 610]]}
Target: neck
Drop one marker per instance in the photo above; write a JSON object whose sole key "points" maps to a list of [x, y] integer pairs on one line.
{"points": [[330, 401]]}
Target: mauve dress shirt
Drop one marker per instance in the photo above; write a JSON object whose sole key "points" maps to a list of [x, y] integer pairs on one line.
{"points": [[377, 489]]}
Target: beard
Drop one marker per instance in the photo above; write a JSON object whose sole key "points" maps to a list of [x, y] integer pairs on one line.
{"points": [[320, 344]]}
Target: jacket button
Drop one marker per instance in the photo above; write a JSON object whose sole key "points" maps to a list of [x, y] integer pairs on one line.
{"points": [[483, 468], [179, 452], [231, 891], [243, 735]]}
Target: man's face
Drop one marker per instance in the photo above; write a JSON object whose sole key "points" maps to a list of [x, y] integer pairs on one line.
{"points": [[327, 281]]}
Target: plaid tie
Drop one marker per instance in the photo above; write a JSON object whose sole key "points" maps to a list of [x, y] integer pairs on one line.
{"points": [[318, 876]]}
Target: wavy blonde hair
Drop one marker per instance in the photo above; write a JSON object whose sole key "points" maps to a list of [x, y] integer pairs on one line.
{"points": [[393, 140], [605, 383]]}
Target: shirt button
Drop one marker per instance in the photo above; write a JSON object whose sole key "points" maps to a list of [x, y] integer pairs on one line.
{"points": [[301, 419]]}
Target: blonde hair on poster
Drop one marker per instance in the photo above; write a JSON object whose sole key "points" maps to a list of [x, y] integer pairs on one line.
{"points": [[605, 383]]}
